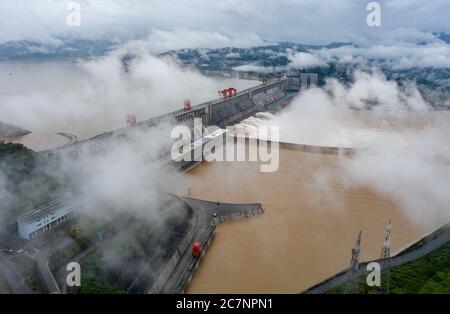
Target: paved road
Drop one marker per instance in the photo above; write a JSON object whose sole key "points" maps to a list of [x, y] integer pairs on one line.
{"points": [[42, 256], [343, 276], [13, 277], [44, 269], [204, 212], [199, 225]]}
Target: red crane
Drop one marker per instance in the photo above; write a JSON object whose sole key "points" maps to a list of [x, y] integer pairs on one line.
{"points": [[187, 105], [131, 119], [228, 92], [197, 249]]}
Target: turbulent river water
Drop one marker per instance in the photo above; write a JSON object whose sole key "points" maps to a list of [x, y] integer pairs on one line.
{"points": [[312, 218]]}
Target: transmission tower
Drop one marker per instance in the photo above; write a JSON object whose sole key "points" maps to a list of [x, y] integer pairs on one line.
{"points": [[352, 283], [386, 250], [355, 253]]}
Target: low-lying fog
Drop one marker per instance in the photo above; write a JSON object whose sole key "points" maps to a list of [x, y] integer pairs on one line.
{"points": [[403, 143], [86, 98]]}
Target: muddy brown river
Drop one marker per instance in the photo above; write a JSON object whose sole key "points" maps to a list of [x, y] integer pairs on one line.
{"points": [[306, 233]]}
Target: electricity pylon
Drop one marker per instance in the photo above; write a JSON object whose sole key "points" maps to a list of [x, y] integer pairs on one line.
{"points": [[355, 253], [386, 251], [352, 274]]}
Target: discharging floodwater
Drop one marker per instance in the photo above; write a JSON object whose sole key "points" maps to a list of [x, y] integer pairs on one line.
{"points": [[307, 231]]}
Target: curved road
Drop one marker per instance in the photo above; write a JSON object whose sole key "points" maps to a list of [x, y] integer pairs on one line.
{"points": [[199, 225], [203, 216], [13, 277]]}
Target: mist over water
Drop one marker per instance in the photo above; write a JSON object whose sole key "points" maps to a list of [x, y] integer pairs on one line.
{"points": [[380, 88], [86, 98], [89, 97], [316, 203], [402, 142]]}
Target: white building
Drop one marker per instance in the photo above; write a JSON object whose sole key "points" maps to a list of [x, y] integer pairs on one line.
{"points": [[46, 217]]}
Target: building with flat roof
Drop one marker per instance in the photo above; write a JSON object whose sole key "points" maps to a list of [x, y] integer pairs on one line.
{"points": [[47, 217]]}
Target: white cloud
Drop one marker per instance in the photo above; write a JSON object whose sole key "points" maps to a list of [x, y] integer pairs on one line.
{"points": [[399, 56], [320, 21], [95, 96], [182, 38], [403, 153], [410, 35], [305, 60], [254, 68], [323, 115], [233, 55]]}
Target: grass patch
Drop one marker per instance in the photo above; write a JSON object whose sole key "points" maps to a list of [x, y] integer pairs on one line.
{"points": [[32, 283], [429, 274], [92, 281], [4, 287]]}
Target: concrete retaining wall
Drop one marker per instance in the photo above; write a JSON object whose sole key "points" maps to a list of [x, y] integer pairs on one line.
{"points": [[187, 276], [319, 149], [238, 216], [173, 262], [309, 148]]}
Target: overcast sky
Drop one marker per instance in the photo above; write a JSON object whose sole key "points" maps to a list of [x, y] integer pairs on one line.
{"points": [[239, 22]]}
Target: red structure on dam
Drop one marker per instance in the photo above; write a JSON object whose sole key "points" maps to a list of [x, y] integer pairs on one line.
{"points": [[196, 249]]}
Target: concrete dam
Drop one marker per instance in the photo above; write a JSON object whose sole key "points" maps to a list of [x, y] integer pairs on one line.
{"points": [[313, 228], [221, 112]]}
